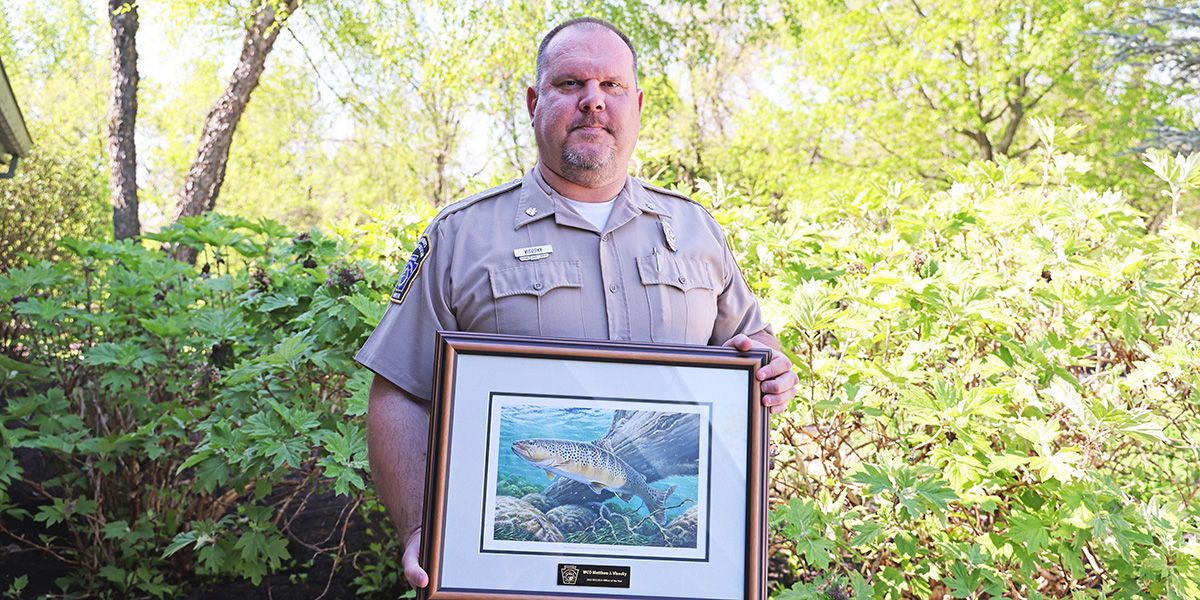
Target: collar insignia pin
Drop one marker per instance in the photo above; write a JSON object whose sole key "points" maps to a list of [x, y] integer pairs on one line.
{"points": [[531, 211]]}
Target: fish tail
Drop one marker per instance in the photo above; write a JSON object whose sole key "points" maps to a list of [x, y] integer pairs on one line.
{"points": [[658, 500]]}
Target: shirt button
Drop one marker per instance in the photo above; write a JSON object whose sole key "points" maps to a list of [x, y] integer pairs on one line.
{"points": [[683, 280], [537, 285], [613, 288], [606, 237]]}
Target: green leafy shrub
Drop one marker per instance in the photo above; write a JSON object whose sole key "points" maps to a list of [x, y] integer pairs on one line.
{"points": [[998, 391], [187, 415], [49, 199], [997, 400]]}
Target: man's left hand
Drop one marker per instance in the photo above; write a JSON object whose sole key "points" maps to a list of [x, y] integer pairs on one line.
{"points": [[778, 382]]}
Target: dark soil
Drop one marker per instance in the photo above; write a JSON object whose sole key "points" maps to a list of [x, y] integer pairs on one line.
{"points": [[308, 576]]}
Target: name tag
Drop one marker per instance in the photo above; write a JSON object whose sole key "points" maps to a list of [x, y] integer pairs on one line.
{"points": [[533, 252]]}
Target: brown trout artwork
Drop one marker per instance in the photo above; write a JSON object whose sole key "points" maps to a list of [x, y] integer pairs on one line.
{"points": [[594, 465], [621, 485]]}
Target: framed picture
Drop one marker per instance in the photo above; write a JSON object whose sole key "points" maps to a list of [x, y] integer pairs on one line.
{"points": [[581, 468]]}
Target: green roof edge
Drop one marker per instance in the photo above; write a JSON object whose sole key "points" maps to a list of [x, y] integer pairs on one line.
{"points": [[14, 135]]}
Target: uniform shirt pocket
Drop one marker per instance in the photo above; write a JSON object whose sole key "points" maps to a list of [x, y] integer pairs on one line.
{"points": [[541, 298], [681, 297]]}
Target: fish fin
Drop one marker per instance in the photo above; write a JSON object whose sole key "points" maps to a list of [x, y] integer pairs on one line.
{"points": [[658, 500], [596, 487], [550, 475], [625, 496], [603, 444]]}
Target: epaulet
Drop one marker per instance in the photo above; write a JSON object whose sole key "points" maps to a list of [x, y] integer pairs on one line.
{"points": [[484, 195], [664, 191]]}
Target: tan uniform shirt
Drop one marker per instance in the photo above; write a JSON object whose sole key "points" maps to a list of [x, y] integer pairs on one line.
{"points": [[659, 271]]}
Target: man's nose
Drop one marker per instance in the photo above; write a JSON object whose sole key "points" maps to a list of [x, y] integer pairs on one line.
{"points": [[592, 98]]}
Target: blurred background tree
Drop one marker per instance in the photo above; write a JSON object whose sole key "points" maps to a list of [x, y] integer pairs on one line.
{"points": [[887, 90], [1165, 38], [369, 103]]}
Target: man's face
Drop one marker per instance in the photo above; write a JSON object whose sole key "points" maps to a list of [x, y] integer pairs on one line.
{"points": [[587, 108]]}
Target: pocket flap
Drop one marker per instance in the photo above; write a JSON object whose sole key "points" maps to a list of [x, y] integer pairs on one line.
{"points": [[535, 278], [683, 273]]}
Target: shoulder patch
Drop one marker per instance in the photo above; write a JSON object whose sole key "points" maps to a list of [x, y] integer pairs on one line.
{"points": [[411, 269]]}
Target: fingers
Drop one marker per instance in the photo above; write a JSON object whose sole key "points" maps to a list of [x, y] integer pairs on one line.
{"points": [[778, 383], [777, 393], [416, 576], [778, 402], [778, 365]]}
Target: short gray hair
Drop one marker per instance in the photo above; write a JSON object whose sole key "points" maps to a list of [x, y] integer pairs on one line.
{"points": [[585, 21]]}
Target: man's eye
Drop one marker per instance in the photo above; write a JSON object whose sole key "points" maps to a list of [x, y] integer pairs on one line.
{"points": [[569, 83]]}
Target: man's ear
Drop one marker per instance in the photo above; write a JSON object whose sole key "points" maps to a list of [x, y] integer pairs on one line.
{"points": [[531, 98], [641, 98]]}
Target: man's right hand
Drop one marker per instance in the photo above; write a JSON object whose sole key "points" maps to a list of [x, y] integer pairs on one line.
{"points": [[416, 576]]}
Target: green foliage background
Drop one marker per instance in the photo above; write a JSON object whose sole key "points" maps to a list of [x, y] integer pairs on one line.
{"points": [[998, 351], [998, 392]]}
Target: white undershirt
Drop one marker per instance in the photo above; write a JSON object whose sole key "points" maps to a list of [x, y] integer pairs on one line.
{"points": [[596, 213]]}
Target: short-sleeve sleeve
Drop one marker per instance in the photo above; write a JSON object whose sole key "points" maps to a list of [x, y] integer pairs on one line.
{"points": [[737, 308], [401, 349]]}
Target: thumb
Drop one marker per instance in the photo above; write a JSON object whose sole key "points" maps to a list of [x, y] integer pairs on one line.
{"points": [[416, 576], [740, 342]]}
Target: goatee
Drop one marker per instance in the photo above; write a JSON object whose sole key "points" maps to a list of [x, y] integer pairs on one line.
{"points": [[588, 170]]}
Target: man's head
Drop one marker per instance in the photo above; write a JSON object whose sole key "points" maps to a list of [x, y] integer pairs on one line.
{"points": [[585, 106], [542, 59]]}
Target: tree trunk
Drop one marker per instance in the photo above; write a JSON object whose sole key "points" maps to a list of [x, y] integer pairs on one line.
{"points": [[122, 155], [203, 181]]}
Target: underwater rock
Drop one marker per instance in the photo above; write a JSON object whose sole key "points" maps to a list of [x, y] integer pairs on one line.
{"points": [[539, 501], [521, 514], [681, 533], [570, 518], [649, 528], [631, 521], [656, 444]]}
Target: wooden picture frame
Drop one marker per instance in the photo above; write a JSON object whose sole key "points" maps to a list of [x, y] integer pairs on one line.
{"points": [[596, 469]]}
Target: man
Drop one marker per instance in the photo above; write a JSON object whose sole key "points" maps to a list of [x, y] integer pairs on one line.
{"points": [[576, 249]]}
